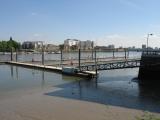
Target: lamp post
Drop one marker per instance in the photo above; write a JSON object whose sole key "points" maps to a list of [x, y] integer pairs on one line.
{"points": [[148, 39]]}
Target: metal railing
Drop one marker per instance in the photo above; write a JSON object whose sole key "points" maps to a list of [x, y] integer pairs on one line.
{"points": [[112, 65], [151, 52]]}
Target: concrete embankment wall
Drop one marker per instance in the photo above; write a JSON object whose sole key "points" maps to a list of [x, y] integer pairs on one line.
{"points": [[149, 72]]}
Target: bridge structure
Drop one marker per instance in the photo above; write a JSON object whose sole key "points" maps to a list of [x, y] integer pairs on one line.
{"points": [[110, 65]]}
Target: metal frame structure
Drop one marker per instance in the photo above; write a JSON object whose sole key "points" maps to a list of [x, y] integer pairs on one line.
{"points": [[110, 66]]}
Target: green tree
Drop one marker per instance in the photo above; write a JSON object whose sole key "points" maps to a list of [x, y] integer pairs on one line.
{"points": [[6, 46]]}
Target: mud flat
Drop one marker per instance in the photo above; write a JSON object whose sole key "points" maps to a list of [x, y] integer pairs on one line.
{"points": [[38, 106]]}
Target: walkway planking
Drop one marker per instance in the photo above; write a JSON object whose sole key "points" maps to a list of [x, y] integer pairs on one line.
{"points": [[86, 70], [52, 68]]}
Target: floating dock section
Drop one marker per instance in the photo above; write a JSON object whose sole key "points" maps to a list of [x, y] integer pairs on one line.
{"points": [[63, 70]]}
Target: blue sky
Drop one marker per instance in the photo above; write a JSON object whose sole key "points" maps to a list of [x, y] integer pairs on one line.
{"points": [[119, 22]]}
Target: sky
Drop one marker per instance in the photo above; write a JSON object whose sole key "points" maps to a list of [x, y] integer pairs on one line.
{"points": [[119, 22]]}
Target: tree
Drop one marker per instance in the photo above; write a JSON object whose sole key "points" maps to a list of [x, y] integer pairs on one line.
{"points": [[6, 46]]}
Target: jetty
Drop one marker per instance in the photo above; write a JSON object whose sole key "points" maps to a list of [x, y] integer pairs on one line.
{"points": [[78, 66], [62, 69], [88, 70]]}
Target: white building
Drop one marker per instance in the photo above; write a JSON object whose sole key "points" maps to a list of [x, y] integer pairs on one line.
{"points": [[69, 43], [74, 44], [32, 44], [86, 45]]}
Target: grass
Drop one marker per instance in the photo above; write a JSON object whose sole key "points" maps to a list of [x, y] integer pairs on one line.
{"points": [[147, 116]]}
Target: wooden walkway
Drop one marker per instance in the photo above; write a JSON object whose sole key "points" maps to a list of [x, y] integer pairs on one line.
{"points": [[52, 68], [88, 70]]}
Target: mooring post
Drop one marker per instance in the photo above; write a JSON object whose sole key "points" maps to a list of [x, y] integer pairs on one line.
{"points": [[113, 54], [125, 53], [11, 54], [92, 49], [79, 58], [92, 53], [16, 55], [61, 56], [42, 54], [128, 54], [95, 55]]}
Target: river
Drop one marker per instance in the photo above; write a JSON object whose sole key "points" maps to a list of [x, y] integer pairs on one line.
{"points": [[113, 87]]}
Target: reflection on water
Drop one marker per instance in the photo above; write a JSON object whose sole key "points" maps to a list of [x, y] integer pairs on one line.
{"points": [[17, 73], [114, 87], [17, 80], [43, 79], [12, 71], [14, 75]]}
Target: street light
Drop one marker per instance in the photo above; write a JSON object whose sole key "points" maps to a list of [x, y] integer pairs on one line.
{"points": [[148, 39]]}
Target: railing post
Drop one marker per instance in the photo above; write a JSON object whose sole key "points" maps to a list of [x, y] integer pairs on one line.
{"points": [[11, 54], [113, 54], [16, 55], [42, 54], [92, 49], [128, 54], [125, 53], [95, 62], [92, 53], [61, 56], [79, 58]]}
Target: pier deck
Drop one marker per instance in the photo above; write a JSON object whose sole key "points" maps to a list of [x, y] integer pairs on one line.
{"points": [[52, 68], [85, 70]]}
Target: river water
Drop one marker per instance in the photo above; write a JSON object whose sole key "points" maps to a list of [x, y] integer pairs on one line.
{"points": [[113, 87]]}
